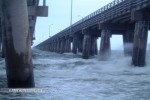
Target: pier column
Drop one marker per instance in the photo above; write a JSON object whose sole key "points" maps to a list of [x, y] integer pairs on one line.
{"points": [[17, 43], [128, 42], [86, 44], [51, 47], [55, 45], [140, 43], [96, 48], [3, 54], [58, 46], [65, 46], [62, 47], [0, 40], [75, 44], [105, 50], [93, 44], [68, 44], [80, 45], [48, 46]]}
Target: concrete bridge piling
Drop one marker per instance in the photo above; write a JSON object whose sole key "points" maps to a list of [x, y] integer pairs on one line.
{"points": [[17, 24], [0, 39], [105, 49], [3, 54], [140, 43], [140, 36], [128, 37], [68, 44], [17, 44], [75, 43], [62, 45], [80, 44]]}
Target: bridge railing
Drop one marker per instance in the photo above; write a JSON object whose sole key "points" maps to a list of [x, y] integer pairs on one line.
{"points": [[101, 10], [97, 12]]}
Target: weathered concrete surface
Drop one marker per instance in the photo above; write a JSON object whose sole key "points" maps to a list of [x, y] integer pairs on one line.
{"points": [[105, 49], [17, 44], [140, 43], [128, 42], [86, 46]]}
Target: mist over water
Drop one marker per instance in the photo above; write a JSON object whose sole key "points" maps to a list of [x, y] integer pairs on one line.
{"points": [[69, 77]]}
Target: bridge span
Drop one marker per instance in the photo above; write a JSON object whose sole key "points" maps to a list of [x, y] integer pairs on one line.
{"points": [[129, 18]]}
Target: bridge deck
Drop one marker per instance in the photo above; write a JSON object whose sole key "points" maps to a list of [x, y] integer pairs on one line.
{"points": [[118, 11]]}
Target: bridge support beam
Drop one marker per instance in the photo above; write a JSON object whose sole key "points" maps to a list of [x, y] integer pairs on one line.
{"points": [[65, 46], [51, 47], [55, 48], [3, 54], [62, 48], [105, 49], [17, 44], [93, 46], [58, 45], [86, 46], [96, 48], [47, 49], [80, 46], [68, 45], [75, 44], [140, 43], [1, 40], [128, 42]]}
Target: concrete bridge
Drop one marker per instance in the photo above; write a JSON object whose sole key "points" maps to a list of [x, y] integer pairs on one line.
{"points": [[129, 18], [17, 25]]}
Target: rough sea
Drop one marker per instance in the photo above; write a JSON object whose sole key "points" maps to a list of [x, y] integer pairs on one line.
{"points": [[69, 77]]}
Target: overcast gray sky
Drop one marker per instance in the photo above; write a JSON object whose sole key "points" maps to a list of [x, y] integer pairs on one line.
{"points": [[59, 18]]}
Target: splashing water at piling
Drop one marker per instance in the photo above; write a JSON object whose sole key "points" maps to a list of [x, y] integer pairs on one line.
{"points": [[69, 77]]}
